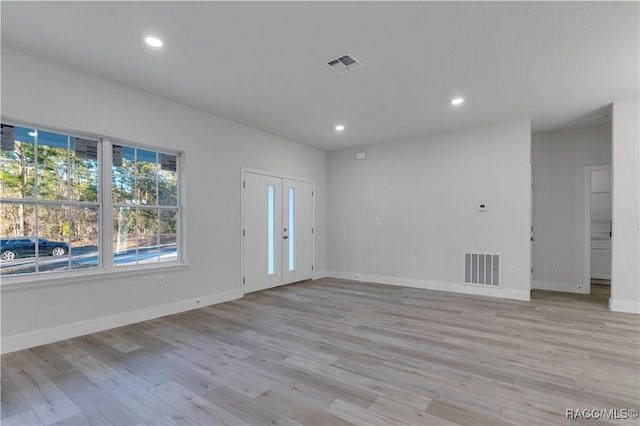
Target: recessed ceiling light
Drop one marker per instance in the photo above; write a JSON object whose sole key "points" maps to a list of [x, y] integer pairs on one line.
{"points": [[339, 128], [153, 41], [457, 101]]}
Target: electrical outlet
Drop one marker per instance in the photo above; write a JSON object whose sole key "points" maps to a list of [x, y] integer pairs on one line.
{"points": [[514, 269], [373, 259], [555, 265], [161, 281]]}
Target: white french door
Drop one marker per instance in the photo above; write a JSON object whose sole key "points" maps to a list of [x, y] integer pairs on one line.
{"points": [[277, 231]]}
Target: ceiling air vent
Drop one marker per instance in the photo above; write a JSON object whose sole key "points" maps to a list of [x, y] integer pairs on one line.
{"points": [[343, 63]]}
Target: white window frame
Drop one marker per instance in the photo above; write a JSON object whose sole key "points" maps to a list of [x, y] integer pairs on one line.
{"points": [[109, 205], [105, 269]]}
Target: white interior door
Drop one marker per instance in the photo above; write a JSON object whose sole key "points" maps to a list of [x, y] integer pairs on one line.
{"points": [[277, 231], [262, 232], [297, 220]]}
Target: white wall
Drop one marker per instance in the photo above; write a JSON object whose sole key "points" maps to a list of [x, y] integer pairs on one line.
{"points": [[559, 159], [625, 269], [413, 206], [48, 95]]}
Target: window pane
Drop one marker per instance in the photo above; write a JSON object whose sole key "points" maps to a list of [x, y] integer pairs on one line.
{"points": [[292, 236], [53, 255], [167, 188], [148, 236], [147, 191], [124, 230], [17, 229], [52, 183], [84, 237], [17, 220], [23, 146], [17, 180], [147, 163], [168, 227], [127, 256], [148, 249], [168, 222], [83, 152], [147, 222], [84, 221], [53, 149], [53, 230], [270, 230], [53, 222], [84, 169], [84, 184], [123, 187], [168, 248], [84, 252], [124, 160]]}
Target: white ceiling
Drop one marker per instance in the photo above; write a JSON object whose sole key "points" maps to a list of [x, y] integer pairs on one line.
{"points": [[263, 63]]}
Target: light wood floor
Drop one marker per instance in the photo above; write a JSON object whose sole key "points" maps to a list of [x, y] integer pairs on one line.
{"points": [[333, 352], [602, 291]]}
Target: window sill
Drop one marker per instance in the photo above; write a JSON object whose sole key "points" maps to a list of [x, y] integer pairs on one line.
{"points": [[74, 278]]}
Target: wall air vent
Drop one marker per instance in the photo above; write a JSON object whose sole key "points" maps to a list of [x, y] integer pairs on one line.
{"points": [[482, 269], [343, 63]]}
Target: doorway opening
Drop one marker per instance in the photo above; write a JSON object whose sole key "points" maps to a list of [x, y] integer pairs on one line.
{"points": [[598, 230]]}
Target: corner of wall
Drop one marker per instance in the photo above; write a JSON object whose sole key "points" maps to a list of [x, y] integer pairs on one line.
{"points": [[625, 306]]}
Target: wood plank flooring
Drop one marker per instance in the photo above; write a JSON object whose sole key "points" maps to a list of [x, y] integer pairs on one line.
{"points": [[334, 352]]}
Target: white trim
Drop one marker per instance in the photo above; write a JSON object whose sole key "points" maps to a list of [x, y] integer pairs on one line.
{"points": [[67, 331], [587, 223], [434, 285], [61, 279], [319, 275], [563, 287], [624, 306], [242, 185], [275, 175]]}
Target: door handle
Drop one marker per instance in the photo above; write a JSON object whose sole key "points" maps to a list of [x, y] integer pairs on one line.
{"points": [[286, 237]]}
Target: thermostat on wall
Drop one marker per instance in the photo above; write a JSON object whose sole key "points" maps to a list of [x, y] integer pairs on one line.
{"points": [[482, 207]]}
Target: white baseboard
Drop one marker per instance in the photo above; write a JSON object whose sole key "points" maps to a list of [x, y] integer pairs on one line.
{"points": [[319, 274], [434, 285], [624, 306], [67, 331], [564, 287]]}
